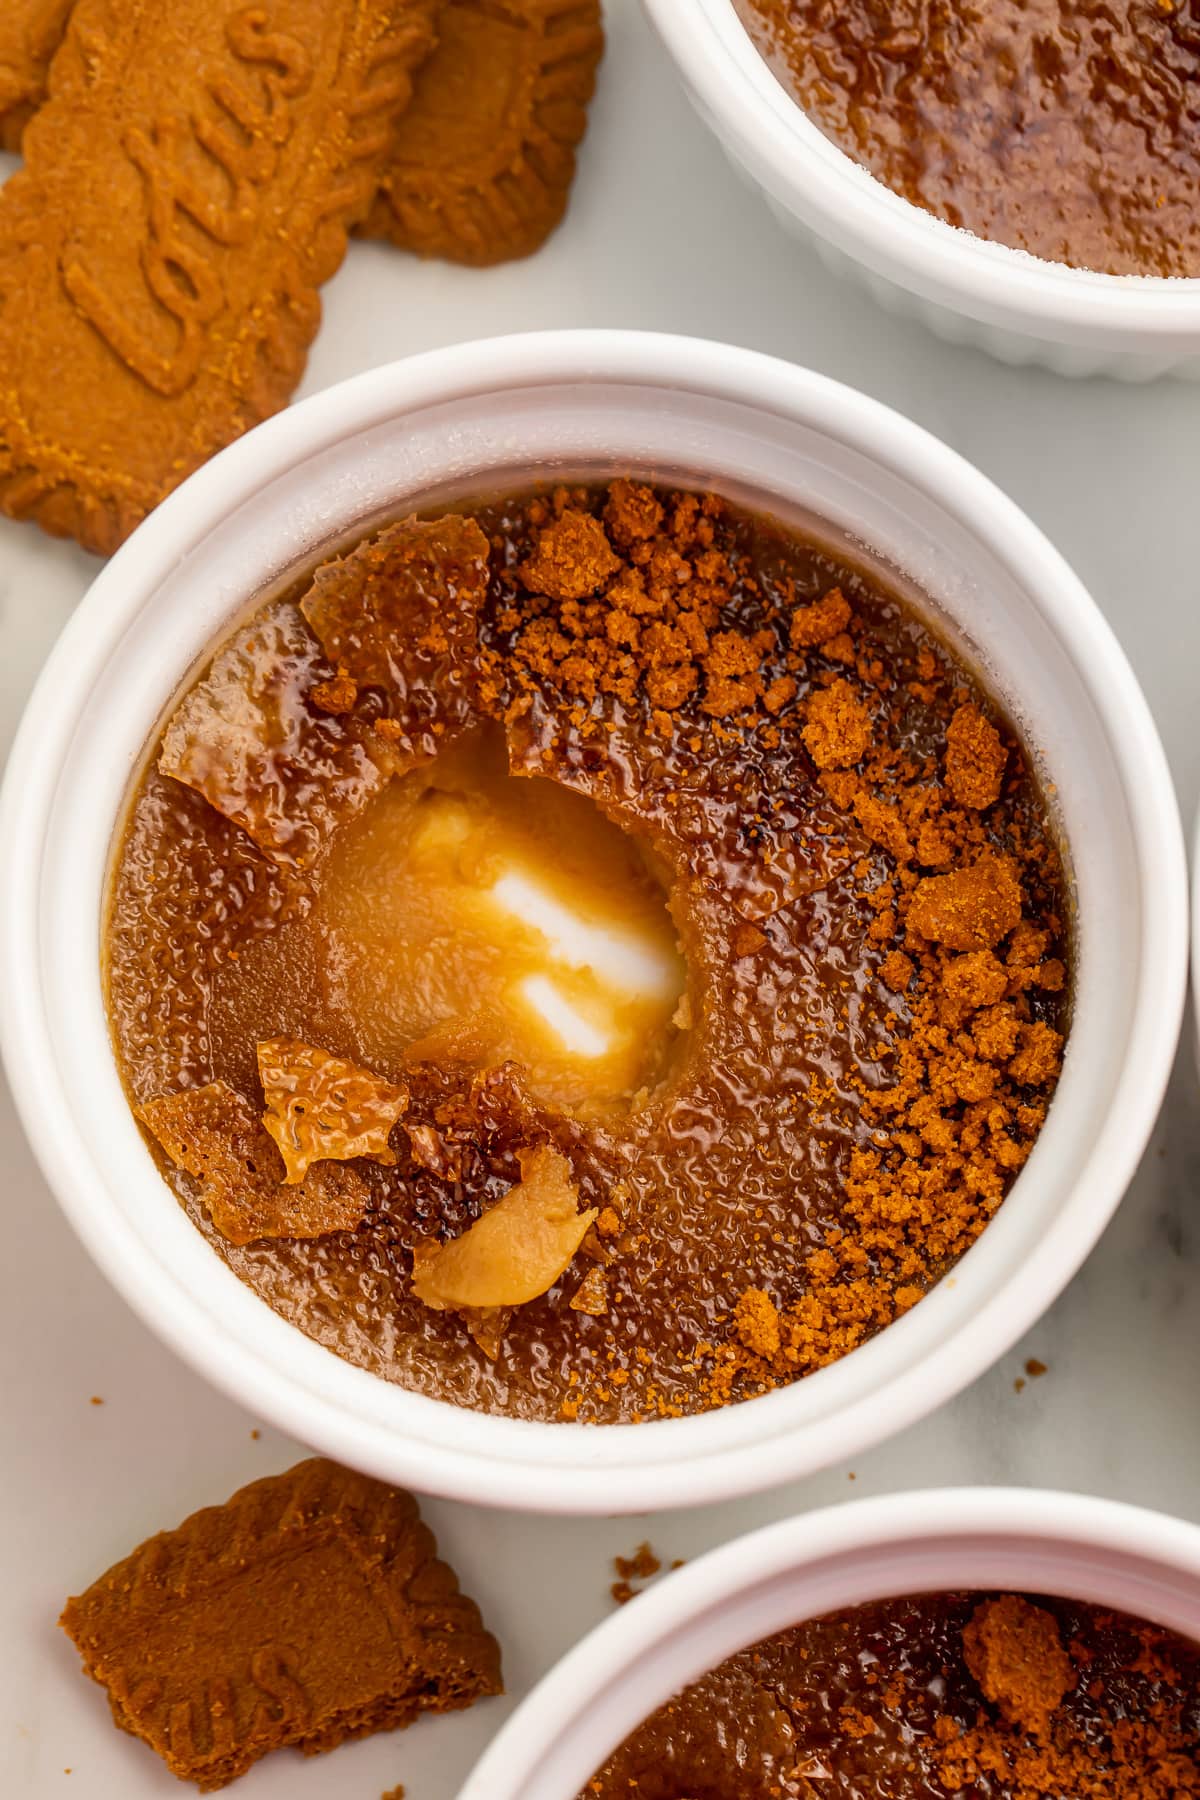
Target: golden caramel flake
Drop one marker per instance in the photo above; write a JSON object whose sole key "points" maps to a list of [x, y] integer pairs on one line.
{"points": [[515, 1251], [323, 1109], [487, 1326], [747, 939], [431, 1151], [214, 1135], [401, 612], [468, 1040], [244, 738], [591, 1296]]}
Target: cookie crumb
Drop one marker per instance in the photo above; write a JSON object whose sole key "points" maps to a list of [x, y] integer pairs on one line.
{"points": [[1015, 1652], [975, 759], [636, 1568]]}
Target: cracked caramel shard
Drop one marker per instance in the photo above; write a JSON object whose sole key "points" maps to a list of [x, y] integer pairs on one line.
{"points": [[516, 1250], [30, 33], [245, 738], [482, 163], [309, 1609], [400, 612], [321, 1108], [214, 1135], [187, 187]]}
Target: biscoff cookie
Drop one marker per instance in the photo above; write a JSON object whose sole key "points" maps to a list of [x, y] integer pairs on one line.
{"points": [[30, 33], [483, 160], [311, 1608], [188, 185]]}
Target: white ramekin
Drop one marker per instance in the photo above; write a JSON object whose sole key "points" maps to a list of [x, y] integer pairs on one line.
{"points": [[477, 417], [1068, 1545], [970, 291]]}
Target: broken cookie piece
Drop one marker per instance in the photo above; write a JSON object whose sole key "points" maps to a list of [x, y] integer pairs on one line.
{"points": [[515, 1251], [246, 738], [321, 1108], [401, 612], [213, 1134], [309, 1609], [482, 165]]}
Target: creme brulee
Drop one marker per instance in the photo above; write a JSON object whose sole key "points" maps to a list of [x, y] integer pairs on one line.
{"points": [[590, 955]]}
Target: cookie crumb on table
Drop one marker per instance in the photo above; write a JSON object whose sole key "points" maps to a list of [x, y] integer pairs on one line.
{"points": [[636, 1568]]}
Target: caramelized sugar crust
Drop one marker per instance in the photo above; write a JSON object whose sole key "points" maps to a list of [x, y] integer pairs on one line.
{"points": [[1067, 128], [751, 759], [1011, 1697]]}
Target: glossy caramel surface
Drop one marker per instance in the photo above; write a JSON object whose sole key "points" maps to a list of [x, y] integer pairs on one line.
{"points": [[879, 1703], [730, 1108], [1068, 128]]}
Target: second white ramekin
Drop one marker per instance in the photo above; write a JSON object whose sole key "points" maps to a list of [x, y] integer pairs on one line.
{"points": [[485, 416], [970, 291], [1109, 1555]]}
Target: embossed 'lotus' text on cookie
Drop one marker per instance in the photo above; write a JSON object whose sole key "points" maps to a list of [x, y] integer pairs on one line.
{"points": [[483, 161], [188, 185]]}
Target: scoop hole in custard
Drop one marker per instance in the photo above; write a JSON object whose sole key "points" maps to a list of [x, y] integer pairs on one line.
{"points": [[480, 917]]}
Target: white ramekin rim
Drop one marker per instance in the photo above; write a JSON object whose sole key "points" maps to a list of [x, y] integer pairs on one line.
{"points": [[777, 141], [560, 1467], [611, 1680]]}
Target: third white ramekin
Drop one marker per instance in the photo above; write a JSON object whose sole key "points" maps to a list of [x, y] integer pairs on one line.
{"points": [[968, 290], [478, 417], [1109, 1555]]}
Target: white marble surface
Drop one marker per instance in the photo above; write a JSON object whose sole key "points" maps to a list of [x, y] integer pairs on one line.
{"points": [[661, 236]]}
